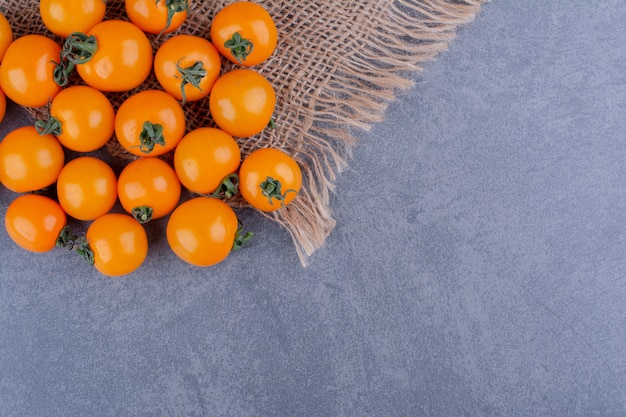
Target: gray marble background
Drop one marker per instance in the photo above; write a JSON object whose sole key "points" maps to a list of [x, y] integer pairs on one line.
{"points": [[477, 268]]}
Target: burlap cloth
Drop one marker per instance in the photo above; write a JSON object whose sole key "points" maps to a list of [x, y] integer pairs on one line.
{"points": [[338, 64]]}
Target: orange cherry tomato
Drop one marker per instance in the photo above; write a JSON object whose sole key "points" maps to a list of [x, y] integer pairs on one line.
{"points": [[3, 105], [149, 123], [204, 158], [34, 222], [202, 231], [242, 102], [81, 117], [118, 243], [63, 17], [123, 59], [269, 179], [27, 70], [29, 161], [148, 188], [6, 35], [244, 33], [187, 66], [87, 188], [157, 16]]}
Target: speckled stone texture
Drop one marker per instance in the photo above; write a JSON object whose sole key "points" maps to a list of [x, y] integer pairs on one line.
{"points": [[478, 266]]}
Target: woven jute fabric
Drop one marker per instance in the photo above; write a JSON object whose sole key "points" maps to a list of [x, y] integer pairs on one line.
{"points": [[338, 65]]}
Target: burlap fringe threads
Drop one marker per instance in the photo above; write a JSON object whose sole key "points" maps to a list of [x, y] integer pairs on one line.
{"points": [[372, 58]]}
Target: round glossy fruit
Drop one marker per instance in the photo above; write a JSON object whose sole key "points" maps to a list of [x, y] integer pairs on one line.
{"points": [[6, 35], [149, 123], [204, 158], [29, 161], [81, 117], [148, 188], [187, 66], [157, 16], [123, 59], [87, 188], [242, 102], [27, 70], [202, 231], [64, 17], [244, 33], [118, 242], [34, 222], [269, 179]]}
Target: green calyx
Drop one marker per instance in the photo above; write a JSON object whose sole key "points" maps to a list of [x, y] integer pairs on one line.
{"points": [[77, 49], [239, 47], [192, 74], [51, 126], [228, 188], [68, 240], [150, 136], [143, 214], [173, 7], [241, 238], [271, 189]]}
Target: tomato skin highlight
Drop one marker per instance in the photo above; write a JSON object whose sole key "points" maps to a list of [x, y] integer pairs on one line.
{"points": [[29, 161], [63, 17], [119, 244], [201, 231], [6, 35], [264, 164], [242, 102], [27, 70], [123, 59], [149, 182], [34, 222], [204, 157], [253, 23], [184, 51], [154, 106], [87, 188], [87, 118]]}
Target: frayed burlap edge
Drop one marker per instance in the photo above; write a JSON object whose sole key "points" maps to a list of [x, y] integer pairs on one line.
{"points": [[339, 64], [394, 42]]}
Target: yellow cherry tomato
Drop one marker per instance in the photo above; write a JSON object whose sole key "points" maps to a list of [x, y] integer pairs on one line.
{"points": [[157, 16], [149, 123], [64, 17], [29, 161], [81, 117], [123, 59], [187, 66], [34, 222], [27, 70], [6, 35], [148, 188], [204, 158], [242, 102], [118, 243], [202, 231], [244, 33], [87, 188], [269, 179]]}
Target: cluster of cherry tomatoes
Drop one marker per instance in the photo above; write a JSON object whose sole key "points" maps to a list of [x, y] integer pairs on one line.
{"points": [[116, 56]]}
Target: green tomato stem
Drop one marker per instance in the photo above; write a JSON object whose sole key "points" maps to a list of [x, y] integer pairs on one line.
{"points": [[228, 188], [143, 214], [271, 188], [192, 74], [239, 47], [150, 136]]}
